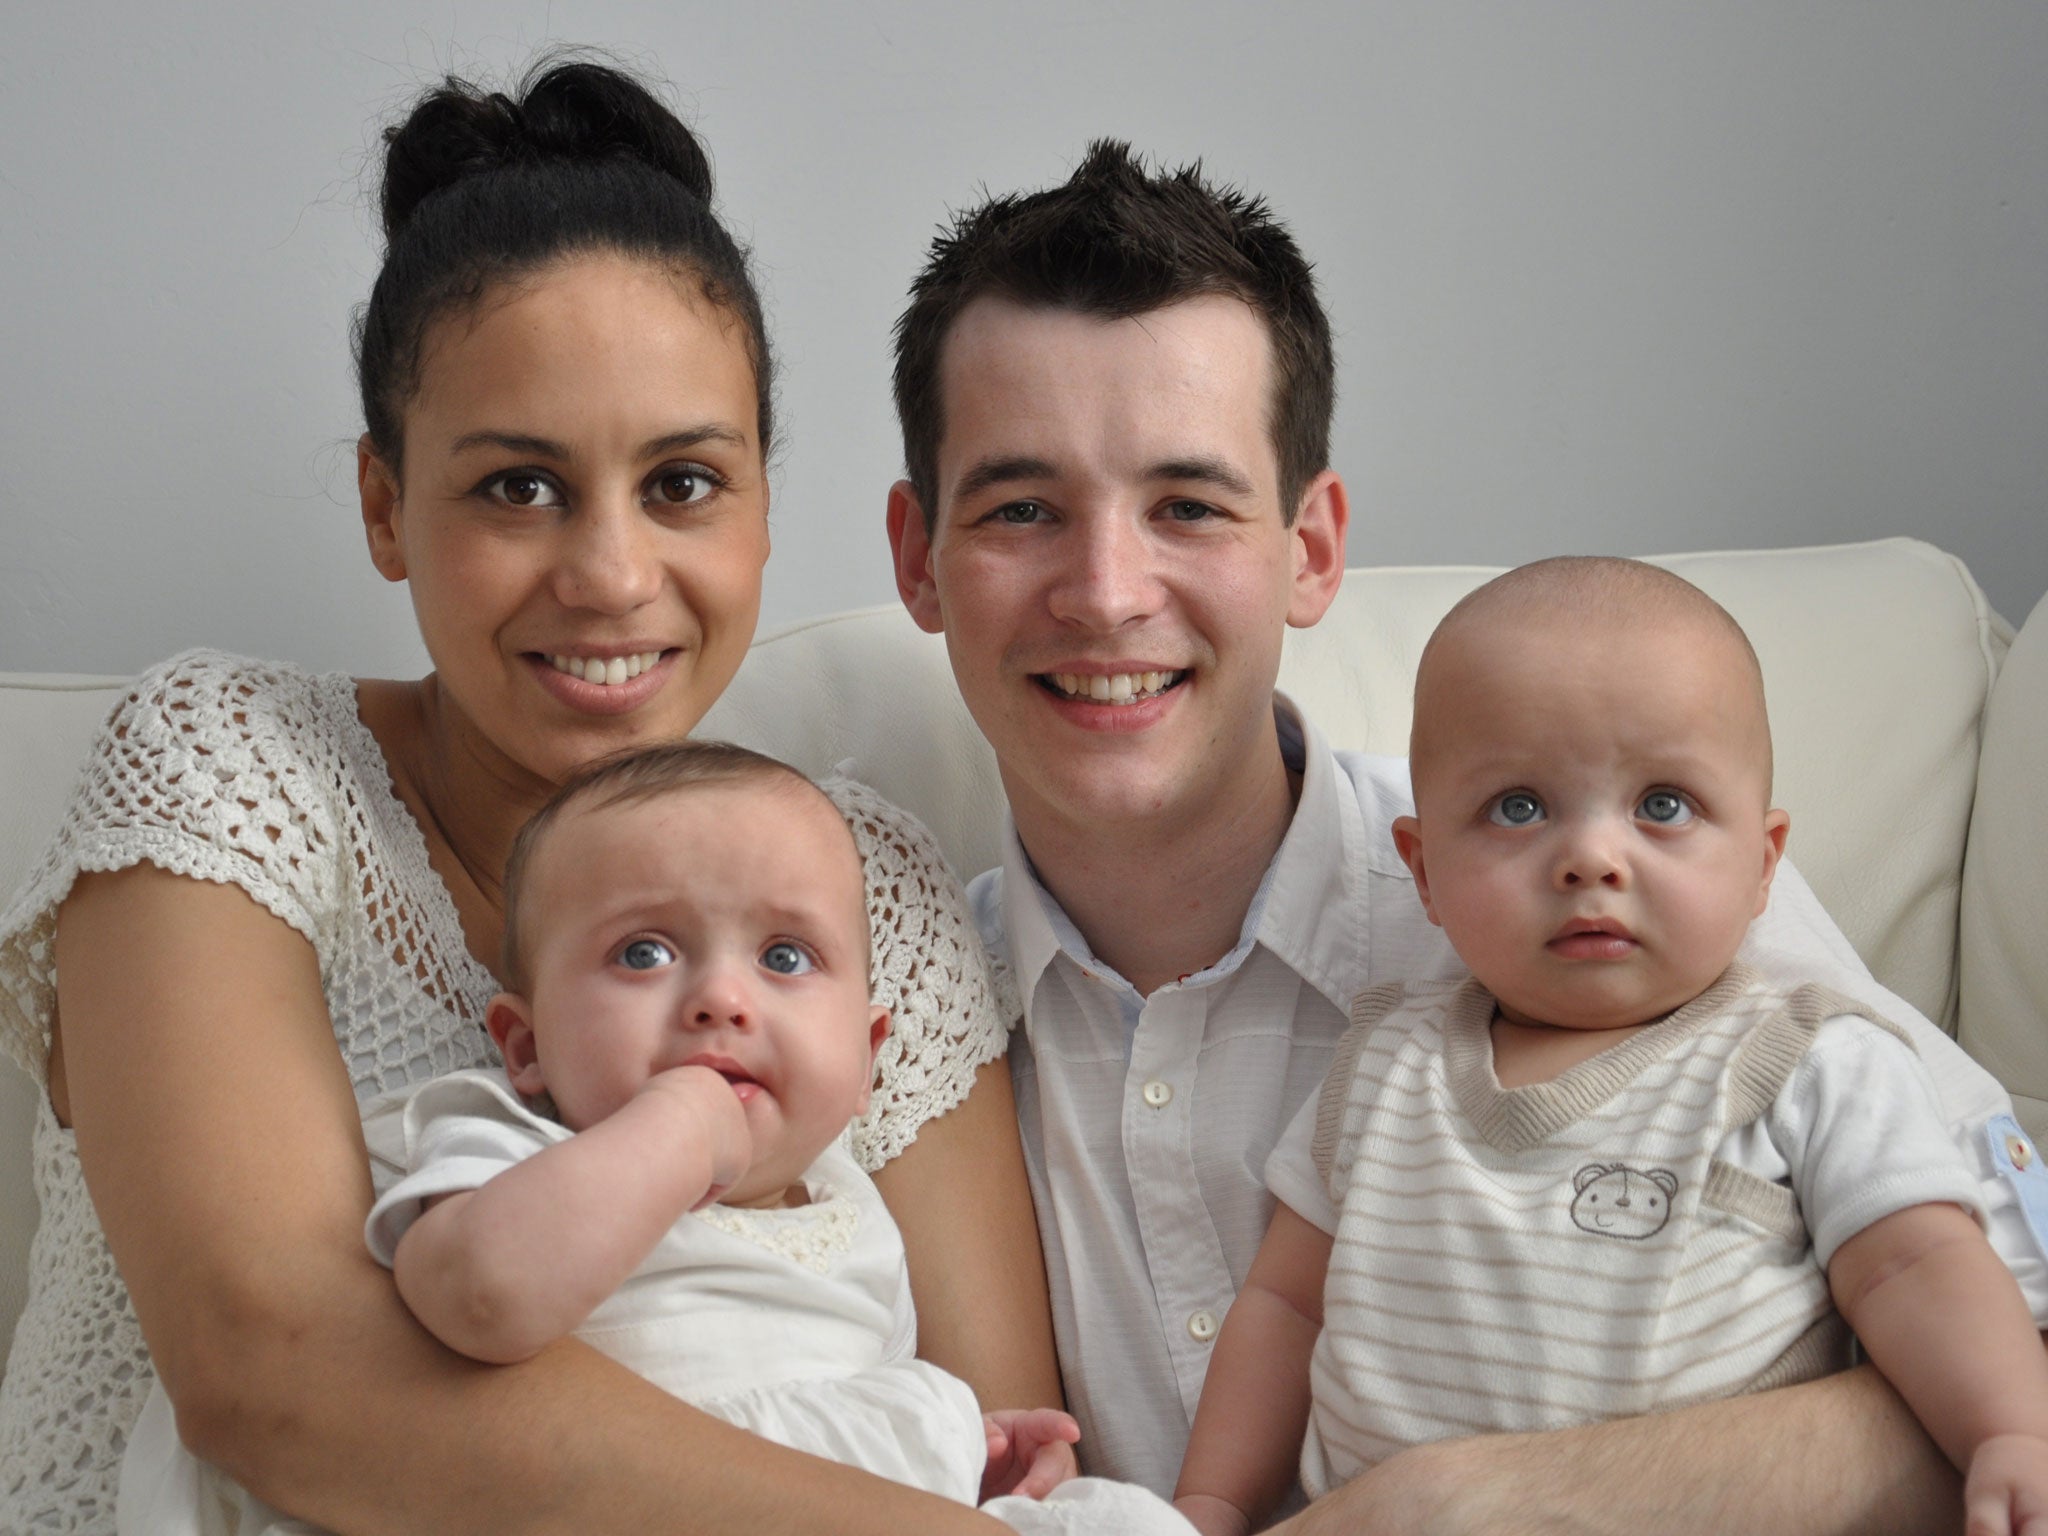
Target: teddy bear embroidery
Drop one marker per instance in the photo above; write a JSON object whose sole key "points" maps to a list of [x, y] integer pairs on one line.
{"points": [[1615, 1200]]}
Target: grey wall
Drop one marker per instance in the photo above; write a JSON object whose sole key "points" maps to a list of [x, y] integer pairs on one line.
{"points": [[1628, 276]]}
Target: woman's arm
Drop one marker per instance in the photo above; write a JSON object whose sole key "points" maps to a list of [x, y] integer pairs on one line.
{"points": [[1841, 1456], [219, 1136], [960, 1195]]}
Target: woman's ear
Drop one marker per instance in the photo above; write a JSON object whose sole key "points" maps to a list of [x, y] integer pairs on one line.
{"points": [[510, 1021], [377, 488]]}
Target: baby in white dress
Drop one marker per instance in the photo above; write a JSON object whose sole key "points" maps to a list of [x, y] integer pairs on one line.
{"points": [[661, 1170]]}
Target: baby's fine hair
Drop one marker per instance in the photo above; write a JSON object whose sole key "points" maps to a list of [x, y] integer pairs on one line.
{"points": [[639, 774], [1595, 587]]}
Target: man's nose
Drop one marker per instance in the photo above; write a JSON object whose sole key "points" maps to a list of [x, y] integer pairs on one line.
{"points": [[608, 562], [1108, 573]]}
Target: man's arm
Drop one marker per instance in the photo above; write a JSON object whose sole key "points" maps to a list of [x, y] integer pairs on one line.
{"points": [[1842, 1456], [502, 1271]]}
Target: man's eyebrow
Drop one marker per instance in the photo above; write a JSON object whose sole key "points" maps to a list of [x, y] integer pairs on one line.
{"points": [[547, 448], [1003, 471], [1203, 471]]}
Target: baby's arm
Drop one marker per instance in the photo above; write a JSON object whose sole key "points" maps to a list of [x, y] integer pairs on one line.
{"points": [[502, 1271], [1940, 1316], [1246, 1443]]}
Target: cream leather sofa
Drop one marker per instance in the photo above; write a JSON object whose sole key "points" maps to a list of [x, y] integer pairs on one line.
{"points": [[1911, 728]]}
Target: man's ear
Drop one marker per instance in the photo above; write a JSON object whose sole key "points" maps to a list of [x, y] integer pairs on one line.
{"points": [[1319, 526], [878, 1031], [510, 1021], [377, 488], [1777, 827], [1408, 843], [911, 547]]}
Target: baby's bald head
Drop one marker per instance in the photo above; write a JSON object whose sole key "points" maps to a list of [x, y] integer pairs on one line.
{"points": [[1582, 610]]}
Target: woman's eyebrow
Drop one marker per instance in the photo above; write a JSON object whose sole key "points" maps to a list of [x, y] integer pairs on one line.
{"points": [[547, 448]]}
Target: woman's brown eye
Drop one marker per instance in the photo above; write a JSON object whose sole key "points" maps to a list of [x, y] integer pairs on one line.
{"points": [[522, 490], [683, 486]]}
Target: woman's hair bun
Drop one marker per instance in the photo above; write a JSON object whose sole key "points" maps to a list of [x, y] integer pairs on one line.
{"points": [[563, 109]]}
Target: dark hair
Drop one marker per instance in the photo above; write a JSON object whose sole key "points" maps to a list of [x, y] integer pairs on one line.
{"points": [[1115, 241], [640, 773], [483, 187]]}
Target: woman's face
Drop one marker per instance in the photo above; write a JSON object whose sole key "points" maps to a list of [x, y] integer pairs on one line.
{"points": [[582, 515]]}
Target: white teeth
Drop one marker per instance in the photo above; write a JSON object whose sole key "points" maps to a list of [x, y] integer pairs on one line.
{"points": [[1115, 688], [605, 671]]}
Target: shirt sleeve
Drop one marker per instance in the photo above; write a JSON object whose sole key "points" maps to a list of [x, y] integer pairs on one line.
{"points": [[1861, 1131], [459, 1132], [1291, 1170], [927, 968], [210, 766]]}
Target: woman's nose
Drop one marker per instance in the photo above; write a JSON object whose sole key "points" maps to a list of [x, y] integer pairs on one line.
{"points": [[1107, 575], [609, 562]]}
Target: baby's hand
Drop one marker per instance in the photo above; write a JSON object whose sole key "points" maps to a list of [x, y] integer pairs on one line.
{"points": [[1212, 1516], [708, 1099], [1030, 1452], [2006, 1492]]}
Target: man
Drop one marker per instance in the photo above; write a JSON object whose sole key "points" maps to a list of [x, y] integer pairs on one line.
{"points": [[1116, 399]]}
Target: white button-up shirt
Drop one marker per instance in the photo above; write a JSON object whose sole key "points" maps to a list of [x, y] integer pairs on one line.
{"points": [[1147, 1120]]}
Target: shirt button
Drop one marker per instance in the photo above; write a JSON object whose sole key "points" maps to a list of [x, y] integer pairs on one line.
{"points": [[1158, 1094], [1202, 1327]]}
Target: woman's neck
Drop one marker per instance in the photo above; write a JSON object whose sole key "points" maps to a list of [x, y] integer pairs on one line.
{"points": [[468, 799]]}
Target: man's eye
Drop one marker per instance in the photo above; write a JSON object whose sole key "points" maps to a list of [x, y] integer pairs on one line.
{"points": [[646, 955], [787, 959], [1516, 808], [523, 488], [1189, 511], [1019, 514], [1665, 807], [683, 484]]}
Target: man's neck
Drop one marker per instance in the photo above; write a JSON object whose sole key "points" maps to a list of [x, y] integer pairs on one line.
{"points": [[1159, 900]]}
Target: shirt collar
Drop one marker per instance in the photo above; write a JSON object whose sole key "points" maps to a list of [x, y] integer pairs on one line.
{"points": [[1303, 910]]}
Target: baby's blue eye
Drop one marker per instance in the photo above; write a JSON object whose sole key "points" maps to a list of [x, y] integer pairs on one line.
{"points": [[1516, 808], [786, 959], [646, 955], [1665, 807]]}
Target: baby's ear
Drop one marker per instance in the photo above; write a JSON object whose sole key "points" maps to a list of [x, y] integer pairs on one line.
{"points": [[1777, 827], [878, 1031], [1408, 843], [510, 1021]]}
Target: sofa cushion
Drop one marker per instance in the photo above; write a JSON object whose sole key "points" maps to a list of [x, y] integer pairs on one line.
{"points": [[2004, 950]]}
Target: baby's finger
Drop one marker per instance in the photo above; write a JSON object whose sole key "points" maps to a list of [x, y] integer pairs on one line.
{"points": [[1053, 1464]]}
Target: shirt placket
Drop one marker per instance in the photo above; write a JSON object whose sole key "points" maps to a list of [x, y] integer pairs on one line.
{"points": [[1190, 1280]]}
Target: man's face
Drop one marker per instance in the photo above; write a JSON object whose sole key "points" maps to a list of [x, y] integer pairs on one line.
{"points": [[1109, 559]]}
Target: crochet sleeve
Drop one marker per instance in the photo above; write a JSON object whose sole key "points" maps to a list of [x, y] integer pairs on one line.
{"points": [[929, 970], [208, 767]]}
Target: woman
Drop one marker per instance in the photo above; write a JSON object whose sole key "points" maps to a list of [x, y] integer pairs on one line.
{"points": [[566, 387]]}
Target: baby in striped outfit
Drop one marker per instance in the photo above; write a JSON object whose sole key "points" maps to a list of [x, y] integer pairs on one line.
{"points": [[1617, 1170]]}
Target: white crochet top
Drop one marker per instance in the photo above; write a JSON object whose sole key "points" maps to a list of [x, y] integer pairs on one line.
{"points": [[264, 777]]}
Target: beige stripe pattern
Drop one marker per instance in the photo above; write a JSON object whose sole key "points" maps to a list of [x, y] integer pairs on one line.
{"points": [[1560, 1253]]}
